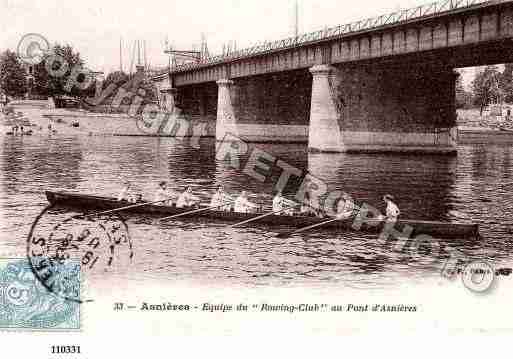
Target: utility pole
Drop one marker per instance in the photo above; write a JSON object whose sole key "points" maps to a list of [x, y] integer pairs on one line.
{"points": [[167, 50]]}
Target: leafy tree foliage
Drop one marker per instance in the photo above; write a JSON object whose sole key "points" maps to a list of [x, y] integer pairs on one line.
{"points": [[48, 85], [486, 87], [463, 97], [12, 75], [507, 83]]}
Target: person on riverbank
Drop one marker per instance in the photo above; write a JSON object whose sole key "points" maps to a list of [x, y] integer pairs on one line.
{"points": [[392, 211]]}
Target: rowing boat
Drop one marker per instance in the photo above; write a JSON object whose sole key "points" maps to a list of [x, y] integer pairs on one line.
{"points": [[432, 228]]}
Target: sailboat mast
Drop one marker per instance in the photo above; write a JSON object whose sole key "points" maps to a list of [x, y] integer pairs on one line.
{"points": [[121, 54], [296, 19], [144, 52], [138, 53]]}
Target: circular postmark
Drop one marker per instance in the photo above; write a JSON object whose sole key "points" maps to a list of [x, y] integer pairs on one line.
{"points": [[32, 48], [478, 276], [62, 249]]}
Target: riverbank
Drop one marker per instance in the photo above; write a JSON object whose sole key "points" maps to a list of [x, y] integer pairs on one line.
{"points": [[472, 127], [486, 129]]}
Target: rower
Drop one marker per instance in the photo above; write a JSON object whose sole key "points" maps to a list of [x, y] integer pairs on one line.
{"points": [[164, 195], [308, 208], [138, 198], [219, 198], [187, 199], [243, 205], [124, 195], [280, 204], [345, 207], [392, 211]]}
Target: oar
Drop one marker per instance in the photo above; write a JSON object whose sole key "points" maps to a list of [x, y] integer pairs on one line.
{"points": [[194, 211], [304, 229], [257, 218], [128, 207]]}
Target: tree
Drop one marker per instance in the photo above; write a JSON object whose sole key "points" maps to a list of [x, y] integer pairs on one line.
{"points": [[485, 87], [507, 83], [463, 97], [48, 85], [12, 75], [116, 77]]}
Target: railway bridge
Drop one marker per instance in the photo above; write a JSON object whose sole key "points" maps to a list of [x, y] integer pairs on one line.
{"points": [[384, 84]]}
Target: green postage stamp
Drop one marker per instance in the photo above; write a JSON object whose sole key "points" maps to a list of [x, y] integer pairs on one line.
{"points": [[28, 304]]}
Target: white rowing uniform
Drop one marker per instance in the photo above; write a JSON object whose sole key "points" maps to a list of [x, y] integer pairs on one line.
{"points": [[277, 203], [186, 199], [280, 204], [305, 207], [345, 209], [242, 205], [392, 211], [220, 200], [164, 196], [217, 200], [123, 195]]}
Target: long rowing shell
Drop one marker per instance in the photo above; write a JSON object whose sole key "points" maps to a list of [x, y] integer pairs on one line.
{"points": [[432, 228]]}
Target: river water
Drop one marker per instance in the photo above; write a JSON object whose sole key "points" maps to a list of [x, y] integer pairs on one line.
{"points": [[475, 185]]}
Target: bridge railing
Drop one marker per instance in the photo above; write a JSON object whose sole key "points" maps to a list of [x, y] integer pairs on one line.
{"points": [[396, 17]]}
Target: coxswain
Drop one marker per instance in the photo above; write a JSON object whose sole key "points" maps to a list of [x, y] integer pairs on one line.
{"points": [[392, 211], [221, 200], [243, 205], [281, 204], [187, 199], [163, 195], [124, 195], [345, 207]]}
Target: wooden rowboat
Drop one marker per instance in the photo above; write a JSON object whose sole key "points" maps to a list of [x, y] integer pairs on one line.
{"points": [[435, 229]]}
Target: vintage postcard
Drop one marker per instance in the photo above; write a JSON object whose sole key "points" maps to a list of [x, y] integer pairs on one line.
{"points": [[282, 169]]}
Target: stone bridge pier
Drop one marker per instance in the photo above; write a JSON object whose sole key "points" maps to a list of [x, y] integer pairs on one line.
{"points": [[373, 109], [344, 109], [267, 108], [384, 84], [195, 104]]}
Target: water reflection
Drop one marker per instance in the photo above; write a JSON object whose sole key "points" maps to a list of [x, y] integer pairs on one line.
{"points": [[421, 185], [56, 162], [475, 185]]}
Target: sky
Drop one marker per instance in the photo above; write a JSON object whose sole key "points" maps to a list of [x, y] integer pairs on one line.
{"points": [[95, 27]]}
